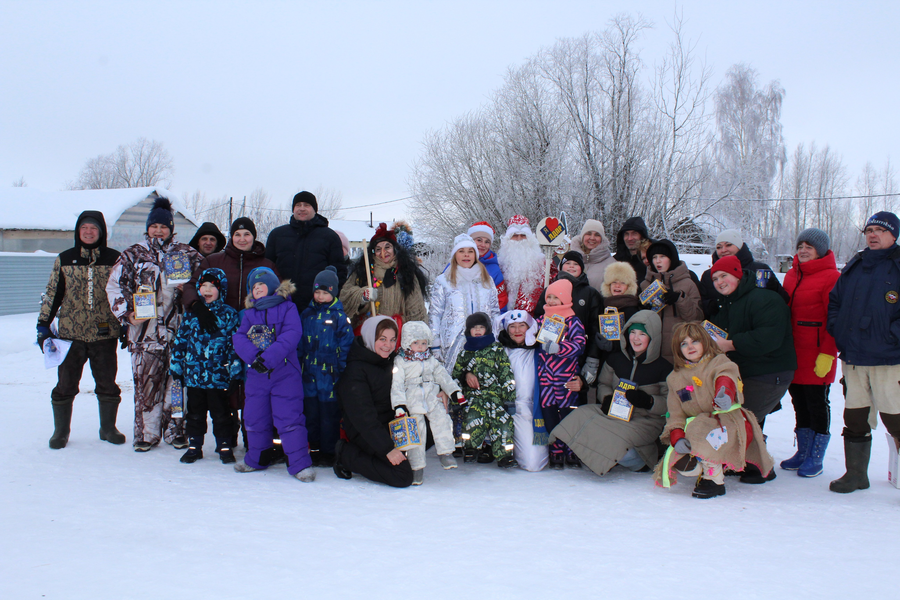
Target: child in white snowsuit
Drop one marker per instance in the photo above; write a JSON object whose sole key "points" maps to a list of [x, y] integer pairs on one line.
{"points": [[418, 380]]}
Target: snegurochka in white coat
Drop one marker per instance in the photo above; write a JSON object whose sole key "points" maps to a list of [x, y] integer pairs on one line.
{"points": [[463, 289]]}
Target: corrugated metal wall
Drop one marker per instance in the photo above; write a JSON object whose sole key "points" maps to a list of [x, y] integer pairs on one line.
{"points": [[22, 281]]}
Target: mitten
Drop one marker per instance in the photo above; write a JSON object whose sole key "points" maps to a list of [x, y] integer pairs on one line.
{"points": [[205, 317], [43, 333], [458, 398], [604, 406], [401, 411], [823, 364], [370, 294], [726, 392], [639, 398], [589, 371], [671, 297], [602, 343], [550, 347], [259, 365], [682, 446]]}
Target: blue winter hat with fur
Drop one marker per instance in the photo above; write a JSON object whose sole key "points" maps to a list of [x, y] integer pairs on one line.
{"points": [[262, 275]]}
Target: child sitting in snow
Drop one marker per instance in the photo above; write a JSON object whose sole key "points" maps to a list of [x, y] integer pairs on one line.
{"points": [[420, 386], [207, 365], [558, 368], [489, 391], [707, 428], [267, 341], [327, 336]]}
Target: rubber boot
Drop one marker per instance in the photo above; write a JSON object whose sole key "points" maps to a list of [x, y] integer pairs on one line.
{"points": [[108, 431], [856, 456], [812, 466], [805, 438], [62, 421]]}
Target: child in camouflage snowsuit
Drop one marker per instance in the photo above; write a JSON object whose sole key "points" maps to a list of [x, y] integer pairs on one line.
{"points": [[557, 366], [484, 372], [207, 365], [327, 336]]}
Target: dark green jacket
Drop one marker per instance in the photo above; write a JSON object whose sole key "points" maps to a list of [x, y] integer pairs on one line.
{"points": [[759, 323]]}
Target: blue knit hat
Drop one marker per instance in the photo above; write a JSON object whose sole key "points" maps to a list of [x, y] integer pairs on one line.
{"points": [[262, 275], [327, 280], [885, 219], [161, 214]]}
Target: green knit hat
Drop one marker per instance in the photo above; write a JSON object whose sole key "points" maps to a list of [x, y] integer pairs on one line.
{"points": [[639, 327]]}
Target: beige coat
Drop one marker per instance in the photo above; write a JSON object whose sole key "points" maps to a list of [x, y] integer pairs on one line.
{"points": [[391, 301], [687, 308], [595, 261], [733, 454]]}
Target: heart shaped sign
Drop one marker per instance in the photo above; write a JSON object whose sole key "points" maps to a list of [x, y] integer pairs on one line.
{"points": [[552, 223]]}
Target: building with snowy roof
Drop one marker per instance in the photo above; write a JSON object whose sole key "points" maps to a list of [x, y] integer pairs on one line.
{"points": [[32, 220]]}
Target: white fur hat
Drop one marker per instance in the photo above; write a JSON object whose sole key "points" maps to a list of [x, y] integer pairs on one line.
{"points": [[463, 240], [415, 330]]}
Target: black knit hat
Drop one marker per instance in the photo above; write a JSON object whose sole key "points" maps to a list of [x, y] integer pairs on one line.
{"points": [[243, 223], [305, 197], [327, 280], [478, 318], [666, 248], [573, 256], [161, 214]]}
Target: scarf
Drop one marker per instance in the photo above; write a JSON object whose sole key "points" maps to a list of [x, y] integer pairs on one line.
{"points": [[268, 302], [474, 344], [541, 436], [389, 273], [408, 354]]}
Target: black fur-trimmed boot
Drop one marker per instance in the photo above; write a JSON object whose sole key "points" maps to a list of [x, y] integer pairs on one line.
{"points": [[62, 421]]}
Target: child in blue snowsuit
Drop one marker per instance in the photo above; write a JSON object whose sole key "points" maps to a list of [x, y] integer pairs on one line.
{"points": [[207, 365], [267, 341], [327, 336]]}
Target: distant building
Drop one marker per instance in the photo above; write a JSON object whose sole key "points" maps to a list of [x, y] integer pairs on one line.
{"points": [[32, 220]]}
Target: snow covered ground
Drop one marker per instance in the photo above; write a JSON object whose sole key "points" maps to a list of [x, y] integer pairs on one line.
{"points": [[99, 521]]}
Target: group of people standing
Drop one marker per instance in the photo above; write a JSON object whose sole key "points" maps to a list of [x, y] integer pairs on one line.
{"points": [[296, 347]]}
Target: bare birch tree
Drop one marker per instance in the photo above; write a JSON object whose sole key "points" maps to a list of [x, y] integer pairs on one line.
{"points": [[143, 163]]}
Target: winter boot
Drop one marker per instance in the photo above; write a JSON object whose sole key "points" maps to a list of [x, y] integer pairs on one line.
{"points": [[805, 438], [447, 461], [307, 475], [195, 450], [459, 452], [180, 443], [557, 460], [108, 431], [142, 446], [226, 455], [751, 474], [243, 467], [326, 459], [507, 462], [856, 456], [812, 466], [418, 477], [572, 460], [62, 421], [470, 455], [707, 488], [485, 455], [339, 470]]}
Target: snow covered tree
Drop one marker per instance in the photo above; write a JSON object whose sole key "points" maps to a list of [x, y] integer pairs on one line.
{"points": [[142, 163]]}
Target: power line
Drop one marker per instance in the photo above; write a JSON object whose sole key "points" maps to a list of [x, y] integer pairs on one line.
{"points": [[802, 199]]}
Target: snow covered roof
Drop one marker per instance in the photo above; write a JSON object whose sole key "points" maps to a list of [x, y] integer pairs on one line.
{"points": [[28, 208], [356, 231]]}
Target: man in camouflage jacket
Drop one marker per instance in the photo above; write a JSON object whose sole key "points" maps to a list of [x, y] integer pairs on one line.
{"points": [[75, 294]]}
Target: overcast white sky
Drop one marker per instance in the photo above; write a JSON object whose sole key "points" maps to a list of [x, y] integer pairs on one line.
{"points": [[296, 95]]}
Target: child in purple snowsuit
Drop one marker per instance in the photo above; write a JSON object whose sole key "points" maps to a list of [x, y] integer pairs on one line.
{"points": [[267, 341]]}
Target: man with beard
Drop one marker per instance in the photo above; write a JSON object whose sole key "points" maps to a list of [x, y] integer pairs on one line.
{"points": [[628, 244], [522, 264]]}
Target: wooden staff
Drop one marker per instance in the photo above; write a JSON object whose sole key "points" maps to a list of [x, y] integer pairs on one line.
{"points": [[368, 273]]}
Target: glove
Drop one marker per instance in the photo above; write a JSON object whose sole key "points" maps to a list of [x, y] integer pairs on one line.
{"points": [[259, 365], [205, 317], [458, 398], [550, 347], [823, 365], [671, 297], [682, 446], [43, 333], [589, 371], [726, 392], [603, 344], [401, 411], [370, 294], [510, 409], [123, 337], [639, 398], [604, 406]]}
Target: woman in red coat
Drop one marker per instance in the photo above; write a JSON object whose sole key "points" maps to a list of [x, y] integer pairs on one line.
{"points": [[808, 283]]}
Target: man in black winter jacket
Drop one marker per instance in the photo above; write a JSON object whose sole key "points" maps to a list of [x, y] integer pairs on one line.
{"points": [[628, 242], [208, 239], [304, 247]]}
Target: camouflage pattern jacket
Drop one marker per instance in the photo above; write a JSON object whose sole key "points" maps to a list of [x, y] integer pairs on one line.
{"points": [[143, 265], [75, 292], [491, 366]]}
